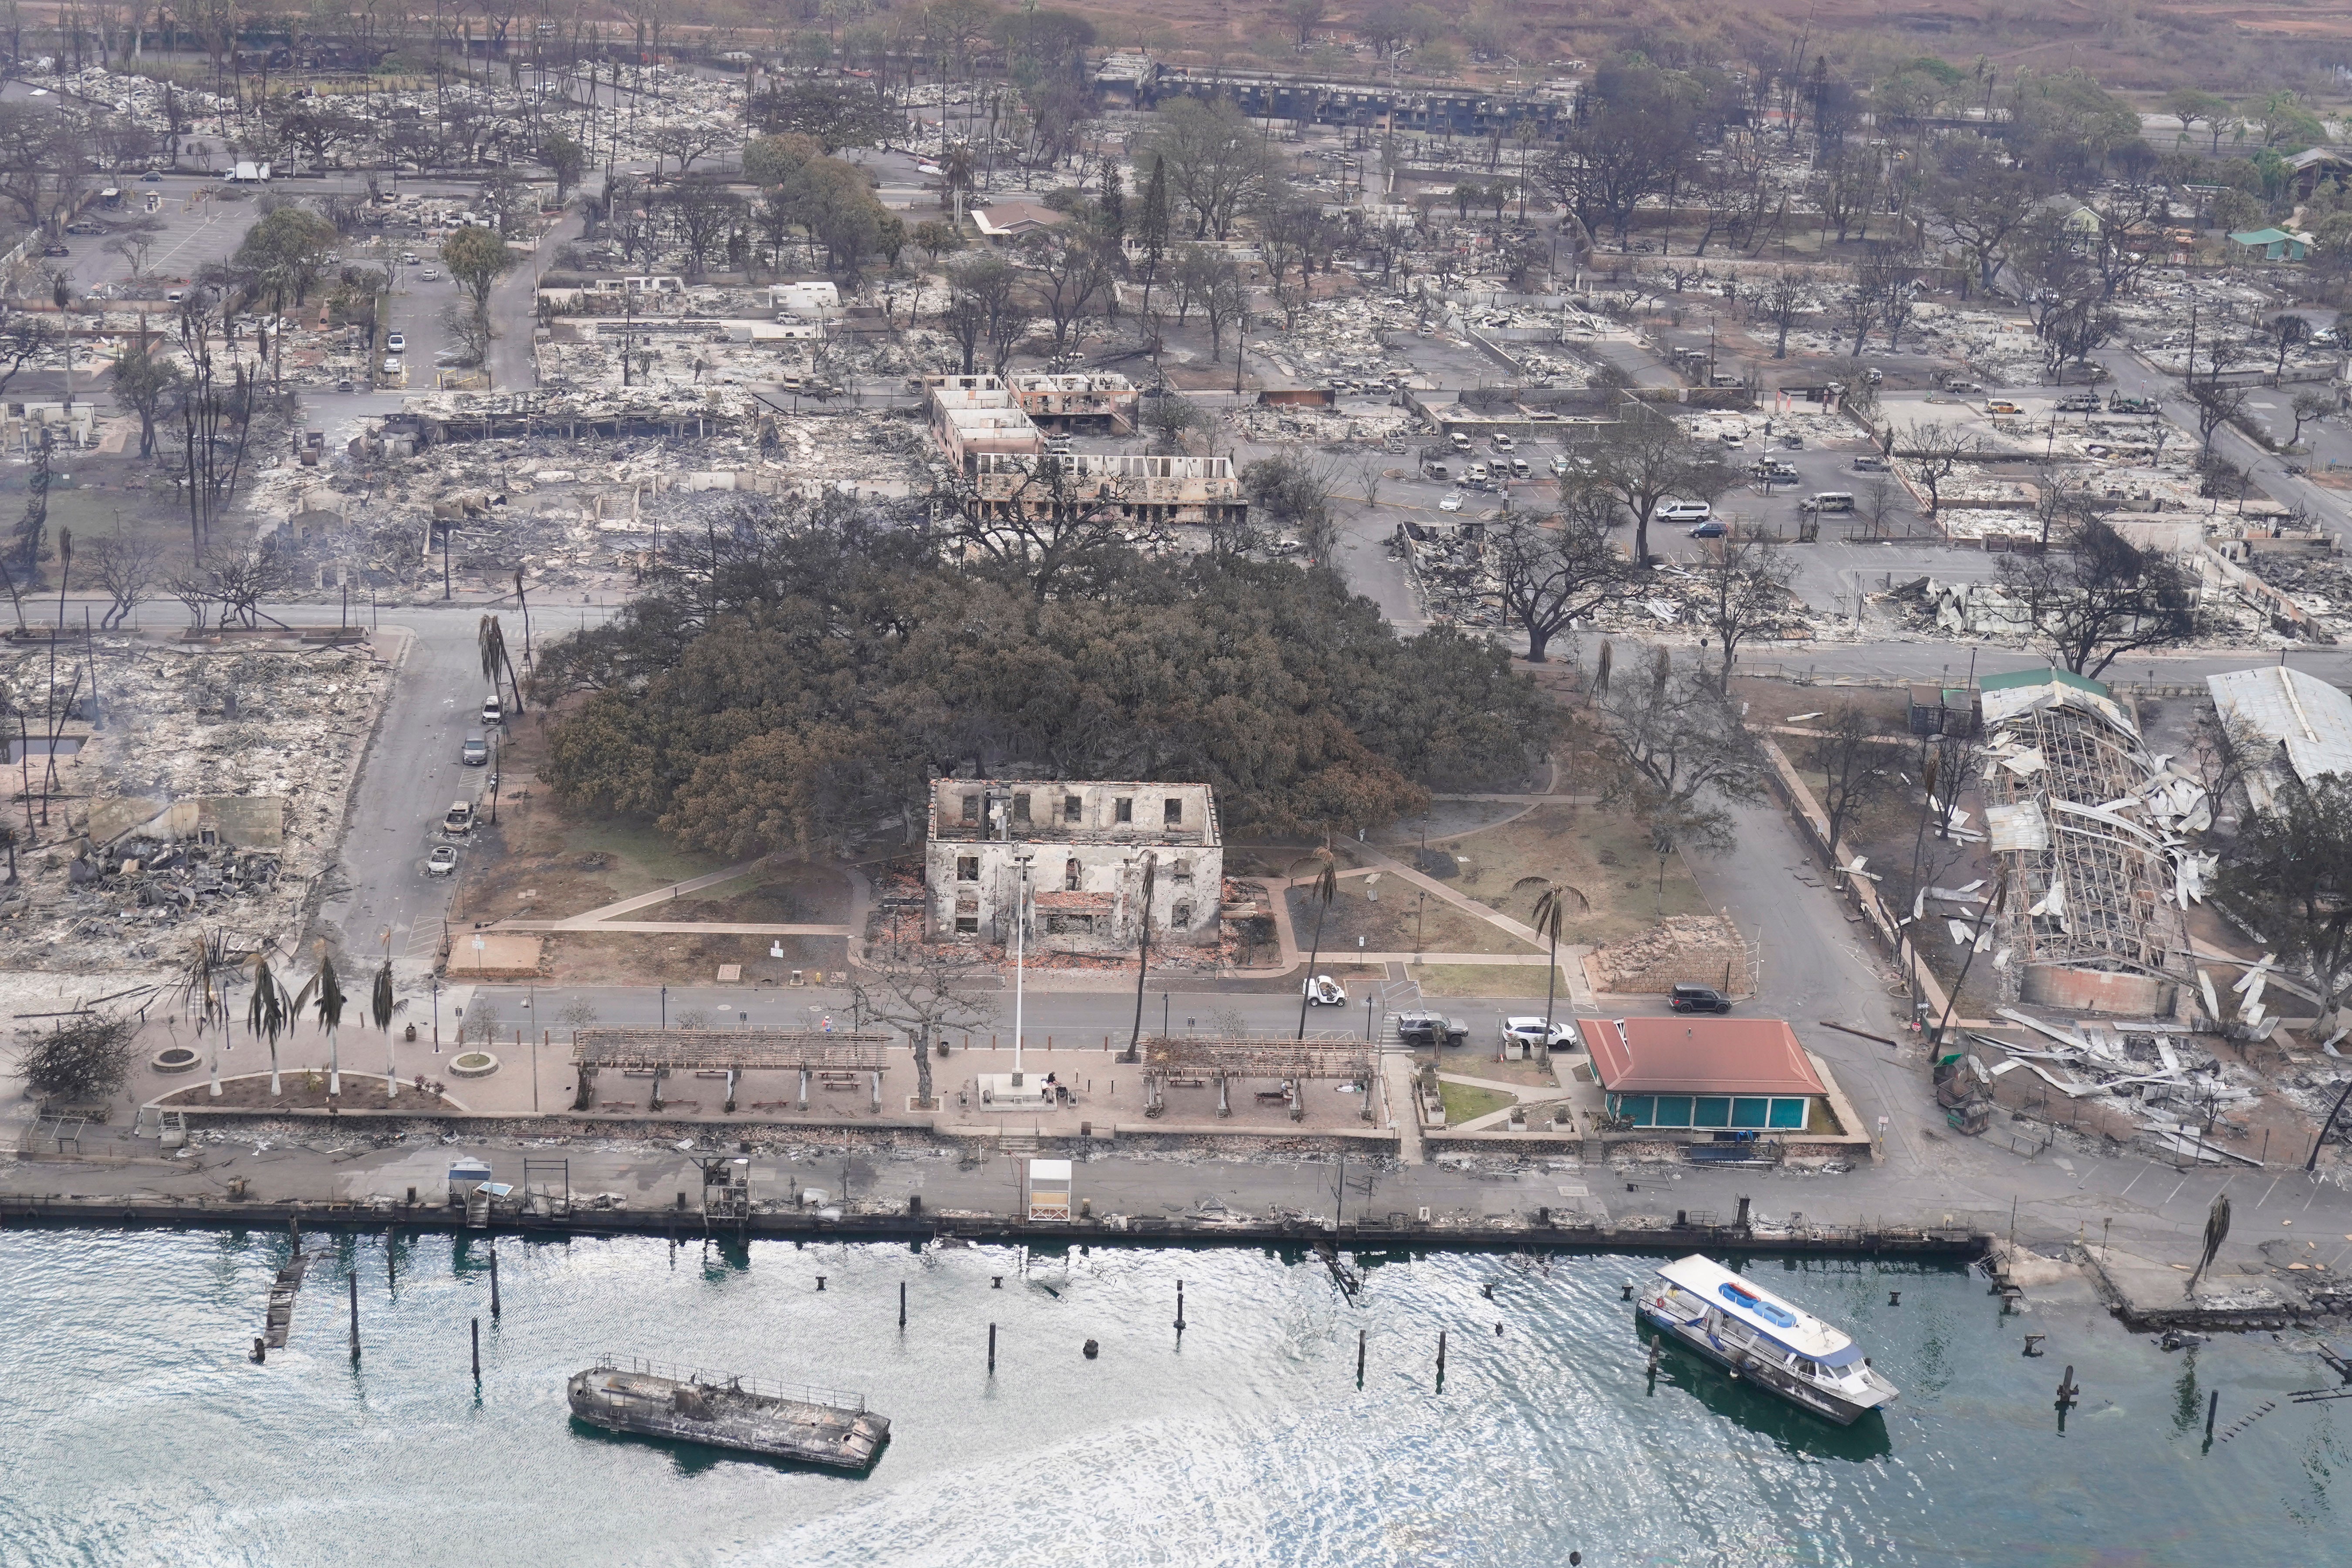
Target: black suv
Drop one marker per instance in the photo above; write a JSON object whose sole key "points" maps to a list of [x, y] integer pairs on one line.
{"points": [[1421, 1028], [1698, 999]]}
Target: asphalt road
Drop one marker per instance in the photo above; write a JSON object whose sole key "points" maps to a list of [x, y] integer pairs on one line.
{"points": [[410, 775]]}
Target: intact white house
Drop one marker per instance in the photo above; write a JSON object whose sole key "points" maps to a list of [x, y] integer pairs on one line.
{"points": [[1084, 845]]}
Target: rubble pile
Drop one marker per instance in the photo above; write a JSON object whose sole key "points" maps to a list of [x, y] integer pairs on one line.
{"points": [[1679, 949], [210, 787], [1349, 344], [2154, 1074]]}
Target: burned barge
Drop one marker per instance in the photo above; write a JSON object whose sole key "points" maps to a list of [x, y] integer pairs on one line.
{"points": [[726, 1410]]}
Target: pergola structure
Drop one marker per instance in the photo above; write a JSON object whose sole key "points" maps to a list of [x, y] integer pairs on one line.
{"points": [[1219, 1061], [734, 1052]]}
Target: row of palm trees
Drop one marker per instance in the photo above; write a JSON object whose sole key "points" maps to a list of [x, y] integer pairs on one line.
{"points": [[273, 1006]]}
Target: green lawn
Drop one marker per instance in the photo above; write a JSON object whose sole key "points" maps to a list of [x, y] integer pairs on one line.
{"points": [[1465, 1103]]}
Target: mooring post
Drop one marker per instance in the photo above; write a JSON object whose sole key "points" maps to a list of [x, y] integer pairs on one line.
{"points": [[294, 1231], [820, 1282], [390, 1268], [355, 1314], [2066, 1389], [1895, 1298], [902, 1303], [991, 1349], [1652, 1368], [1441, 1355], [477, 1349], [1180, 1306], [494, 1279], [1359, 1358], [260, 1349], [2212, 1408]]}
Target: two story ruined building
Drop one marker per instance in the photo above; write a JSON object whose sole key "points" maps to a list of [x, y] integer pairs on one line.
{"points": [[1085, 846]]}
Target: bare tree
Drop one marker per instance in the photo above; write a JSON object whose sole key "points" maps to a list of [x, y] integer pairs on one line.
{"points": [[928, 989], [1554, 570], [2217, 403], [125, 566], [1740, 590], [1646, 459], [2104, 599], [1675, 748], [1847, 754], [1935, 450], [1783, 301]]}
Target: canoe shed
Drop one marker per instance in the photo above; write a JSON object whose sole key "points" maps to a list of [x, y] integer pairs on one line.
{"points": [[1709, 1075], [1049, 1189]]}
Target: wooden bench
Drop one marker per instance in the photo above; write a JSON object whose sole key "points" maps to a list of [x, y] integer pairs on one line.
{"points": [[1273, 1096], [1188, 1083]]}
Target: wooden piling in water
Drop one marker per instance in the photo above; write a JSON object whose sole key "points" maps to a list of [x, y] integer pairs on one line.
{"points": [[1359, 1358], [354, 1278], [494, 1279], [2212, 1408], [477, 1349], [991, 1349], [1180, 1306], [391, 1271], [902, 1303], [1441, 1354]]}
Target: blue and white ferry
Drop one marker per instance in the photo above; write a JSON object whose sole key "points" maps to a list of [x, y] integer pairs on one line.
{"points": [[1766, 1341]]}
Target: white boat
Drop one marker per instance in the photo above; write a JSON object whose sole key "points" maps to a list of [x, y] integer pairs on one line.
{"points": [[1765, 1340]]}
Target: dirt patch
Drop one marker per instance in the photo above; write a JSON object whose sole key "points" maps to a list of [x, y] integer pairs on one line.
{"points": [[792, 893], [681, 958], [1401, 918], [307, 1090]]}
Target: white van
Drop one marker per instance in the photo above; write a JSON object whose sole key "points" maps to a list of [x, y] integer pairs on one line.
{"points": [[1519, 469], [494, 711], [1478, 474], [1829, 500]]}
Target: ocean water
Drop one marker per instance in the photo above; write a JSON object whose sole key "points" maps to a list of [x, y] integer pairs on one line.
{"points": [[133, 1429]]}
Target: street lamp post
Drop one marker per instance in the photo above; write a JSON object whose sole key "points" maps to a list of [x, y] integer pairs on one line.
{"points": [[1020, 955]]}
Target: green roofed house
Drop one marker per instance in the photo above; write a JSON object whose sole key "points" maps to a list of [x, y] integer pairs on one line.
{"points": [[2276, 243], [1709, 1074]]}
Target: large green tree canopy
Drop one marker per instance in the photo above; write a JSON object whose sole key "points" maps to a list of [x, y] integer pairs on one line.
{"points": [[797, 676]]}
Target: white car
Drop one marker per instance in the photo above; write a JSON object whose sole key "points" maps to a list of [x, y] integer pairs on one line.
{"points": [[391, 364], [442, 861], [1450, 501], [1502, 442], [395, 342], [1684, 511], [1530, 1031], [1325, 991], [430, 274]]}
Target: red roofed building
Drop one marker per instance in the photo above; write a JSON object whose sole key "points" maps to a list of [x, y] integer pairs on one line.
{"points": [[1707, 1074]]}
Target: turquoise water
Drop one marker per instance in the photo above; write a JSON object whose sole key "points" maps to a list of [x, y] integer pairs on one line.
{"points": [[136, 1432]]}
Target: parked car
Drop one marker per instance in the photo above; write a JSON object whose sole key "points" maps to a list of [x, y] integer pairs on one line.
{"points": [[1672, 510], [1697, 999], [2079, 403], [2001, 406], [1435, 472], [494, 711], [1827, 501], [442, 861], [458, 819], [1869, 463], [409, 258], [53, 249], [430, 274], [394, 365], [151, 178], [2119, 403], [1560, 464], [1530, 1031], [175, 296], [1322, 991], [475, 752], [1502, 442], [1417, 1027], [395, 342], [1450, 501], [1790, 439], [1711, 529]]}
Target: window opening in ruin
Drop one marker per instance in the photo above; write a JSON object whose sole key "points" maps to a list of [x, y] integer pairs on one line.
{"points": [[1021, 807], [1174, 813], [1124, 809], [967, 867], [1182, 915], [1070, 925], [1070, 875], [1183, 870], [1073, 809], [972, 810], [967, 925]]}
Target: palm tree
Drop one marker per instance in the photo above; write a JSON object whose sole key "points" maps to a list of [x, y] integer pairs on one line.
{"points": [[330, 1014], [380, 1009], [1142, 958], [1325, 888], [267, 1013], [1551, 909]]}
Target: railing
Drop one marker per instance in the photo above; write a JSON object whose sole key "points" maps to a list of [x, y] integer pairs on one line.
{"points": [[804, 1393]]}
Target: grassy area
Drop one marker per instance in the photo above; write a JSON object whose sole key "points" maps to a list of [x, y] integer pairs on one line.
{"points": [[1465, 1103], [642, 859], [1484, 980], [1400, 919], [1604, 854]]}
